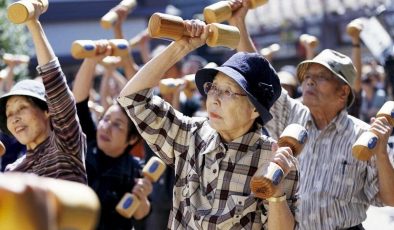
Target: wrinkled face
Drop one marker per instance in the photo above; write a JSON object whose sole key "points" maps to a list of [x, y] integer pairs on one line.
{"points": [[232, 116], [26, 121], [321, 89], [112, 132]]}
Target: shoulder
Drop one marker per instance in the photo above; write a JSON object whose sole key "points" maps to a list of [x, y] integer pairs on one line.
{"points": [[357, 124]]}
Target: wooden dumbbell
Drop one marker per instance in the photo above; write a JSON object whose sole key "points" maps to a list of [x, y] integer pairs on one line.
{"points": [[264, 183], [129, 202], [309, 40], [168, 86], [109, 19], [363, 148], [190, 85], [18, 58], [2, 149], [88, 48], [22, 11], [269, 51], [222, 10], [70, 205], [173, 27], [354, 27]]}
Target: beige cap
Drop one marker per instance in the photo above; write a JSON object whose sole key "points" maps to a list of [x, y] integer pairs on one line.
{"points": [[339, 64]]}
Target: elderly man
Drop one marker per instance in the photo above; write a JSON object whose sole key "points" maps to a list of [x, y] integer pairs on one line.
{"points": [[335, 188], [215, 158]]}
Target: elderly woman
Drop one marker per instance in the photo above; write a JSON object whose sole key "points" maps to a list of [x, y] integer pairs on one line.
{"points": [[215, 157], [111, 170], [43, 117]]}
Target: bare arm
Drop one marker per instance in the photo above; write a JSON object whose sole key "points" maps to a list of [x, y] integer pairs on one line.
{"points": [[381, 127], [127, 62], [279, 214], [356, 58], [238, 20]]}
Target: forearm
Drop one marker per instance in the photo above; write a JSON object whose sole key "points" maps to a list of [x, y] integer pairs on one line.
{"points": [[83, 80], [356, 58], [385, 177], [151, 73], [130, 68], [280, 216], [245, 44], [104, 89], [42, 46]]}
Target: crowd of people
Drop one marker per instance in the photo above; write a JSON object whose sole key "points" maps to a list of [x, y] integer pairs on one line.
{"points": [[214, 124]]}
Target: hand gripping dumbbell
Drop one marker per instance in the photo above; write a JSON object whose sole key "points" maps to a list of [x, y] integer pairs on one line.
{"points": [[363, 148], [309, 40], [222, 10], [111, 17], [88, 48], [173, 27], [129, 202], [354, 27], [264, 182], [22, 11]]}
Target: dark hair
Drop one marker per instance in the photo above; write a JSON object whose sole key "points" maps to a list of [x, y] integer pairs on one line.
{"points": [[42, 105], [131, 129], [39, 103]]}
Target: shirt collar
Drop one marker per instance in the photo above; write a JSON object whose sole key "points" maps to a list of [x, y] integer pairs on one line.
{"points": [[250, 138], [339, 122]]}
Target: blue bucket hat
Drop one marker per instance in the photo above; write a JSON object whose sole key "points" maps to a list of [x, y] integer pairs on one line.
{"points": [[29, 88], [254, 74]]}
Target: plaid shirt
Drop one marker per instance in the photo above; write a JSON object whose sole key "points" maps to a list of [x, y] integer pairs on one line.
{"points": [[212, 178]]}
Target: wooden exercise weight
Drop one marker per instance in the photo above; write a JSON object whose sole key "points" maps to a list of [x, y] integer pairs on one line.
{"points": [[71, 205], [354, 28], [129, 202], [173, 27], [309, 40], [109, 19], [264, 182], [88, 48], [22, 11], [363, 148], [222, 10]]}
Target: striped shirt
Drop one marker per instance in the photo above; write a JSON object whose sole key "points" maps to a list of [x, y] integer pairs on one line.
{"points": [[335, 188], [212, 178], [61, 155]]}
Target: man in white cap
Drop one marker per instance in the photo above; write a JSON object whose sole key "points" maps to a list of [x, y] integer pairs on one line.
{"points": [[335, 189]]}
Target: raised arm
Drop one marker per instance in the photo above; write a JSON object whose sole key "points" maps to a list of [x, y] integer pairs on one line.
{"points": [[130, 68], [60, 101], [238, 20], [150, 74]]}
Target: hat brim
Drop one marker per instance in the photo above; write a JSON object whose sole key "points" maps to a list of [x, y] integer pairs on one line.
{"points": [[303, 65], [3, 100], [208, 74]]}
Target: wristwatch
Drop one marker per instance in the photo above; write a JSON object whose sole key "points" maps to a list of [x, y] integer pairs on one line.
{"points": [[277, 199]]}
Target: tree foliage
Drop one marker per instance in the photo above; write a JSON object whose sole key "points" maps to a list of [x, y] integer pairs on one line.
{"points": [[13, 38]]}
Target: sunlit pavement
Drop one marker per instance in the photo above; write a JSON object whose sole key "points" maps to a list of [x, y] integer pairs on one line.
{"points": [[379, 217]]}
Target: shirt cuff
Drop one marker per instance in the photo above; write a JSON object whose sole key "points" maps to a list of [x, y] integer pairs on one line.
{"points": [[47, 67], [136, 98]]}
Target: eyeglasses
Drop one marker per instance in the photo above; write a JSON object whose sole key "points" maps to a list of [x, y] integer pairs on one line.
{"points": [[212, 89]]}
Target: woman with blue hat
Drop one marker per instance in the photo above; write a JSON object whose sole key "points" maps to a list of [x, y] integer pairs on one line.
{"points": [[215, 158]]}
